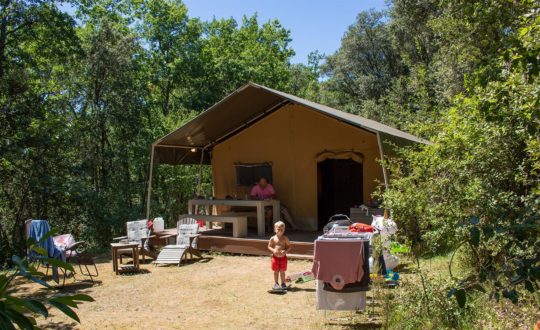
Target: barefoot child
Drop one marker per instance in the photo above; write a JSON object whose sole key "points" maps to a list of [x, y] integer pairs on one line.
{"points": [[279, 246]]}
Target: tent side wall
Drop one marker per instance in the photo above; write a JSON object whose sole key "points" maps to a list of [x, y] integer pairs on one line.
{"points": [[291, 138]]}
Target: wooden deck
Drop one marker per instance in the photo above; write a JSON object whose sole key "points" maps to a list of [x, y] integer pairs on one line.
{"points": [[221, 240]]}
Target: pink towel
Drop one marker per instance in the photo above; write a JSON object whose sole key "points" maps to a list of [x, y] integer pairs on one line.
{"points": [[63, 241], [338, 262]]}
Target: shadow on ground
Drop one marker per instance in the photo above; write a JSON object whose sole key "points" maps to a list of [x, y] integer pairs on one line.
{"points": [[407, 268], [141, 271], [298, 289], [359, 326], [77, 286], [60, 325], [195, 260]]}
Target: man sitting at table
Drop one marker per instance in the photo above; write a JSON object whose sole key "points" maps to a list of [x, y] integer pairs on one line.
{"points": [[264, 190]]}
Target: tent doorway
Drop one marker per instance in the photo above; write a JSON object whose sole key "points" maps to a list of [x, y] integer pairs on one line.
{"points": [[339, 186]]}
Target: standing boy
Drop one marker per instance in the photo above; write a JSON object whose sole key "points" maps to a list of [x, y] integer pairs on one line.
{"points": [[279, 246]]}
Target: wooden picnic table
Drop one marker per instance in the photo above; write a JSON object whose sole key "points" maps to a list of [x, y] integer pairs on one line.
{"points": [[258, 204]]}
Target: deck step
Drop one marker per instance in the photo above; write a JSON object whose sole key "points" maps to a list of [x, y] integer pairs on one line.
{"points": [[300, 256], [299, 250]]}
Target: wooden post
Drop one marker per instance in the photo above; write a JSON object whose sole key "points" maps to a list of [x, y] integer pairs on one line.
{"points": [[149, 190], [199, 179], [381, 152]]}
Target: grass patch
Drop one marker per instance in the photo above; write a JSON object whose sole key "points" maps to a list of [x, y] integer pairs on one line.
{"points": [[413, 307], [230, 292]]}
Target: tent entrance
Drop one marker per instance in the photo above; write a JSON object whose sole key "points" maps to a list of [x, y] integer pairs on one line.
{"points": [[339, 186]]}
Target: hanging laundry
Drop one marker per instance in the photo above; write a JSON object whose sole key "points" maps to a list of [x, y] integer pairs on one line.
{"points": [[338, 262], [339, 301]]}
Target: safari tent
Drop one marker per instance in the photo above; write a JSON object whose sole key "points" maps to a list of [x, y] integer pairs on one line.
{"points": [[322, 160]]}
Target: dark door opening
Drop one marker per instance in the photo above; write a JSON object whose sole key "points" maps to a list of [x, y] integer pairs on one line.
{"points": [[339, 186]]}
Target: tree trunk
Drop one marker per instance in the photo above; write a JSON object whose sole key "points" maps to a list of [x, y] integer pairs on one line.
{"points": [[166, 98], [3, 36], [19, 230]]}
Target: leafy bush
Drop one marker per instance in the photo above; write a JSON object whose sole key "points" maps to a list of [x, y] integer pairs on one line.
{"points": [[20, 311], [478, 186], [429, 309], [417, 305]]}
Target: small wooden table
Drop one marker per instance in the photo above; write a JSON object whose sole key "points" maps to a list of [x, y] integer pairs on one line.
{"points": [[165, 236], [119, 246]]}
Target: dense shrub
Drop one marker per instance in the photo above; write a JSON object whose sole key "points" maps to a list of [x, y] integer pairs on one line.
{"points": [[478, 186]]}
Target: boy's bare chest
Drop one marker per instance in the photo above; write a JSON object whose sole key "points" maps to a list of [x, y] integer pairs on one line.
{"points": [[278, 241]]}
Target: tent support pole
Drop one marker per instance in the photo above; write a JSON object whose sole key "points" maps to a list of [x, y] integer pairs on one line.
{"points": [[381, 151], [199, 178], [149, 192]]}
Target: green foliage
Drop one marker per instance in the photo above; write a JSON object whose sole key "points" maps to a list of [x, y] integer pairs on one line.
{"points": [[21, 311], [477, 185], [304, 81], [35, 40], [175, 64], [82, 100], [236, 54], [411, 312], [405, 67], [425, 305], [364, 67]]}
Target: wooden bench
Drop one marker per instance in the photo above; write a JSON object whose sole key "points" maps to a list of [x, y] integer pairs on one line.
{"points": [[242, 213], [239, 222], [251, 216]]}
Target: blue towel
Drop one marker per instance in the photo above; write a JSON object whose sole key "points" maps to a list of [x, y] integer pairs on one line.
{"points": [[38, 229]]}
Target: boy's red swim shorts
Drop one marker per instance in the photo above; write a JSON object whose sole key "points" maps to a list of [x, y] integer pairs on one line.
{"points": [[279, 263]]}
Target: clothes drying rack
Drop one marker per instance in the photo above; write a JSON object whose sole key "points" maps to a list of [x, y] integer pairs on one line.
{"points": [[370, 299]]}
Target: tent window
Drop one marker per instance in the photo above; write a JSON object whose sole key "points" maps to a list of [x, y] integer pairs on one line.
{"points": [[248, 175]]}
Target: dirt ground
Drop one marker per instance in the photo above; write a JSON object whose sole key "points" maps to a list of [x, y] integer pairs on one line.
{"points": [[217, 292]]}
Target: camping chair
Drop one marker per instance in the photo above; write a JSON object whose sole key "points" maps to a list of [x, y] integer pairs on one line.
{"points": [[186, 241], [137, 231], [186, 221], [75, 253], [62, 247], [37, 229]]}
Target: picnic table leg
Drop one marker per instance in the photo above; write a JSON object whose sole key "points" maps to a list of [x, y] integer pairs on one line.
{"points": [[190, 208], [207, 211], [276, 211], [260, 220], [136, 257], [115, 260], [112, 257]]}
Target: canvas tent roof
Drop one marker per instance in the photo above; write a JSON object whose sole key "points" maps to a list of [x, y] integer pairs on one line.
{"points": [[241, 109]]}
